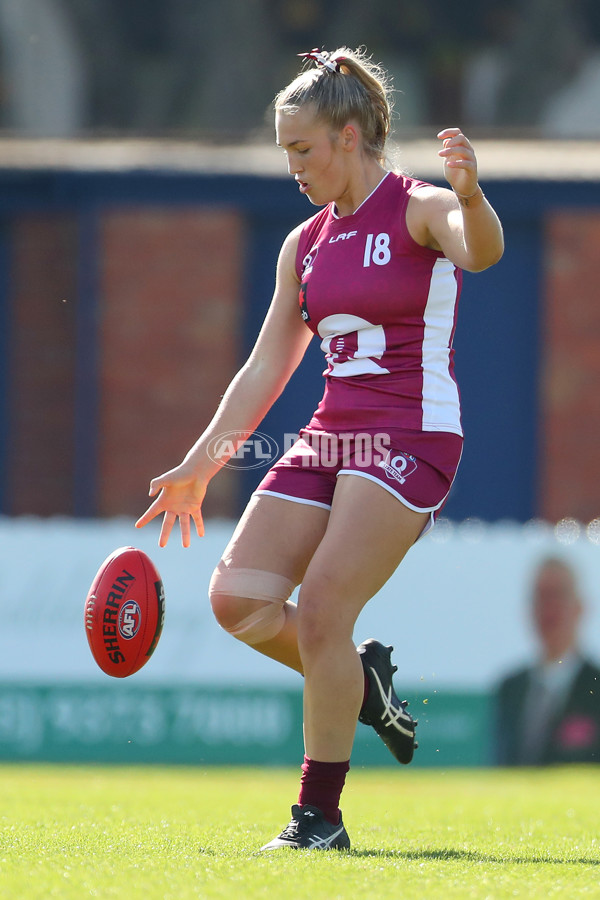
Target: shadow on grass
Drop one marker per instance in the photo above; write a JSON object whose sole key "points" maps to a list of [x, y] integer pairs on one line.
{"points": [[415, 855]]}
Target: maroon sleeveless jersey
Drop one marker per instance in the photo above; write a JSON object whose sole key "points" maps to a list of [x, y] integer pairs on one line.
{"points": [[385, 310]]}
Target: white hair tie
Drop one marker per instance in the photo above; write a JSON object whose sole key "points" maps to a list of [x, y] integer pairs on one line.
{"points": [[321, 57]]}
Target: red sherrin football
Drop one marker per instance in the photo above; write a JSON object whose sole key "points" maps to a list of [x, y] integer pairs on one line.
{"points": [[124, 612]]}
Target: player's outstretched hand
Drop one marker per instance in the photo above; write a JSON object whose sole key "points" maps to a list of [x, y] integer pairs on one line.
{"points": [[460, 164], [180, 495]]}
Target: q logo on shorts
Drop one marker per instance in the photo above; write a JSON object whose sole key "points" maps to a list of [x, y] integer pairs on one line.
{"points": [[398, 466]]}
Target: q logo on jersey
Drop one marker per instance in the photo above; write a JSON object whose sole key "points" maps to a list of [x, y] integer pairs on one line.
{"points": [[129, 620], [309, 261], [398, 466], [307, 267]]}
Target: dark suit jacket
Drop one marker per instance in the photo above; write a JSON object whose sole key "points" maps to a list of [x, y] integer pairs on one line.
{"points": [[574, 732]]}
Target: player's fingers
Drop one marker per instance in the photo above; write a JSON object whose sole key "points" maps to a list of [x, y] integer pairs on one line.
{"points": [[448, 133], [197, 517], [144, 519], [460, 159], [452, 134], [461, 149], [153, 510], [459, 140], [184, 527], [456, 157], [166, 528], [156, 485]]}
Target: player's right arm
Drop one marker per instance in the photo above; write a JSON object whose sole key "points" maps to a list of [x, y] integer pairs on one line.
{"points": [[278, 351]]}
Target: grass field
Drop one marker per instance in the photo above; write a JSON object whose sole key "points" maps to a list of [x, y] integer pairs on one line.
{"points": [[175, 834]]}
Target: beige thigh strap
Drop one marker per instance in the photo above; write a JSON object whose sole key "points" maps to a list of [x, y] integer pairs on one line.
{"points": [[251, 583]]}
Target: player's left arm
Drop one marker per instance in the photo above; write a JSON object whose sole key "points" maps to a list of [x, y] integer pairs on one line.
{"points": [[459, 222]]}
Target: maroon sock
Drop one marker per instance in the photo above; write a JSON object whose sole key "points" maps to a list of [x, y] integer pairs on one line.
{"points": [[321, 786]]}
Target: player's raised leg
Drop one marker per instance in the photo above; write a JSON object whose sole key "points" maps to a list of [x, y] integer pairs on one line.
{"points": [[265, 559]]}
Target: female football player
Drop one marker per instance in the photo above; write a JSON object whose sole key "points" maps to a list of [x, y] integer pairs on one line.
{"points": [[376, 274]]}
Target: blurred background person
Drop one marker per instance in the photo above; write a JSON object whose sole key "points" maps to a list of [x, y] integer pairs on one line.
{"points": [[549, 712], [569, 111], [43, 89], [73, 68]]}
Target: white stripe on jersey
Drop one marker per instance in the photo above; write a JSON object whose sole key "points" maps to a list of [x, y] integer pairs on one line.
{"points": [[441, 406]]}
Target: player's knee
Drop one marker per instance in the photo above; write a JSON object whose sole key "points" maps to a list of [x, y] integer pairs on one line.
{"points": [[319, 621], [313, 631], [228, 611], [249, 603]]}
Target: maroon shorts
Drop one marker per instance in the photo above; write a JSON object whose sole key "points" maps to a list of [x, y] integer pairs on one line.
{"points": [[418, 467]]}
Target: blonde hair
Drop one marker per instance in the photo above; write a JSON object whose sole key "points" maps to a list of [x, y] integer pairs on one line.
{"points": [[358, 89]]}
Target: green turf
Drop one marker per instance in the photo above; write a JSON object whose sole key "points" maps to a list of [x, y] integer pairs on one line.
{"points": [[174, 834]]}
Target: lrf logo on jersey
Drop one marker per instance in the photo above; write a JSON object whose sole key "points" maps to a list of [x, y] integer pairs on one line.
{"points": [[398, 466]]}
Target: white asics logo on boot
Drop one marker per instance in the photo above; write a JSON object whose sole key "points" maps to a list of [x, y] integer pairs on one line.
{"points": [[395, 715]]}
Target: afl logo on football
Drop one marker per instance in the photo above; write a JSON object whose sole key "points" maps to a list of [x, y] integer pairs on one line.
{"points": [[130, 618]]}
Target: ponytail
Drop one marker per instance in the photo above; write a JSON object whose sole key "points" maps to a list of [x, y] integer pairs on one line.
{"points": [[346, 85]]}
